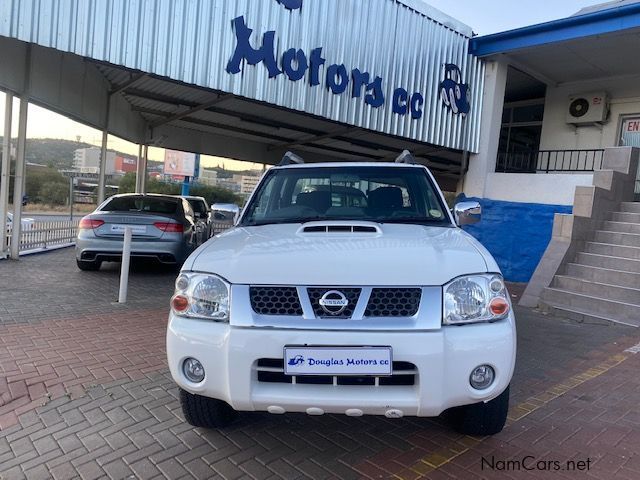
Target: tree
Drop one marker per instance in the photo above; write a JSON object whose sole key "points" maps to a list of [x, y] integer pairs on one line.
{"points": [[215, 194], [127, 183], [154, 185], [35, 180], [54, 193]]}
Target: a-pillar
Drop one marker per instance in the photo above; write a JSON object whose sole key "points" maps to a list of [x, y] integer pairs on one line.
{"points": [[18, 181], [5, 171], [483, 164]]}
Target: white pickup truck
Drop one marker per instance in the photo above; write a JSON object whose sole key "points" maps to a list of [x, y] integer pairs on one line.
{"points": [[344, 288]]}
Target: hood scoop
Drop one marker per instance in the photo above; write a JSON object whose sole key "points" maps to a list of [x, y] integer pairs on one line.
{"points": [[339, 227]]}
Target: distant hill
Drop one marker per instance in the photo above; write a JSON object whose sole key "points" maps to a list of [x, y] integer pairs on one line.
{"points": [[51, 152], [55, 153]]}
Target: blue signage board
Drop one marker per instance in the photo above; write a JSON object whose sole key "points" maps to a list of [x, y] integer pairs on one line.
{"points": [[297, 64]]}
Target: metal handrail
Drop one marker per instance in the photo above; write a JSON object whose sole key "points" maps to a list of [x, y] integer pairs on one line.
{"points": [[549, 161]]}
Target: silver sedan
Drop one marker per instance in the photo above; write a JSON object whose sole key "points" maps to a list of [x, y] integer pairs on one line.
{"points": [[163, 228]]}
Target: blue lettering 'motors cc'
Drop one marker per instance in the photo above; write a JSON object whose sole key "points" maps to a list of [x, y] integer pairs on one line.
{"points": [[291, 4]]}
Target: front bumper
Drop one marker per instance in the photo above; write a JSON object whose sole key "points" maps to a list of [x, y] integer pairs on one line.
{"points": [[444, 359]]}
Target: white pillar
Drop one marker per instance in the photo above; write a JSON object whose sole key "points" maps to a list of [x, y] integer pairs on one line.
{"points": [[103, 152], [5, 172], [124, 266], [143, 180], [103, 167], [139, 169], [18, 181], [483, 164]]}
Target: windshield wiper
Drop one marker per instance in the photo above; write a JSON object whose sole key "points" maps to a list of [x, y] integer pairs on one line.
{"points": [[280, 221]]}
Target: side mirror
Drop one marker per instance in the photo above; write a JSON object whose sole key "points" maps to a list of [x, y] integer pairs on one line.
{"points": [[467, 213]]}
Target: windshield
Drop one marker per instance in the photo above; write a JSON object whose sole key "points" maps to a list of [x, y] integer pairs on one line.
{"points": [[141, 204], [378, 194]]}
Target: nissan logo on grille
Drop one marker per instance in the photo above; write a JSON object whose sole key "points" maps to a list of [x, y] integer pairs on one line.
{"points": [[333, 302]]}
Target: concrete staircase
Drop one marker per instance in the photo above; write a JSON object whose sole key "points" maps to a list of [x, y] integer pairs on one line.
{"points": [[602, 282]]}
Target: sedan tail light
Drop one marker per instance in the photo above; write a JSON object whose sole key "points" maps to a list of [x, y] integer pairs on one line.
{"points": [[90, 223], [169, 227]]}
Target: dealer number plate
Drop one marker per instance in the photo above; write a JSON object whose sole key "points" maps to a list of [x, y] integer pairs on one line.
{"points": [[337, 360]]}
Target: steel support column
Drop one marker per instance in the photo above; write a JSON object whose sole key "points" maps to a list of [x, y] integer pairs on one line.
{"points": [[18, 181], [139, 169], [5, 172], [103, 155], [143, 179]]}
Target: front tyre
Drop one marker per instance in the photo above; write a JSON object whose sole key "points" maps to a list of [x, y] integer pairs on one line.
{"points": [[482, 418], [205, 412]]}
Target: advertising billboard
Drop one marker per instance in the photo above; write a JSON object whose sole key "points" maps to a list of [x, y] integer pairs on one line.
{"points": [[179, 163]]}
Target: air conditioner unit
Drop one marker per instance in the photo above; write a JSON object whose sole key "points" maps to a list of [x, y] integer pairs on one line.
{"points": [[588, 108]]}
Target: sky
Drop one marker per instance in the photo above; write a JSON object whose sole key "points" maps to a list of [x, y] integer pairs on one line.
{"points": [[483, 16], [491, 16]]}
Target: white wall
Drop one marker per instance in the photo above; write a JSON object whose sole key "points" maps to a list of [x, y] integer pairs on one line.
{"points": [[553, 189], [484, 162], [558, 135], [548, 189]]}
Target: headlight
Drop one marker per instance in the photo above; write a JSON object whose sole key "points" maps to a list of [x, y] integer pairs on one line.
{"points": [[475, 298], [199, 295]]}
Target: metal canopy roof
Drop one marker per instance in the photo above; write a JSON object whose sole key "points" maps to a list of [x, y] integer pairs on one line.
{"points": [[131, 66], [161, 102]]}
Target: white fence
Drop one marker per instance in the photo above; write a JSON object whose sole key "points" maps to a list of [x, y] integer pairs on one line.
{"points": [[55, 234], [48, 234], [219, 227]]}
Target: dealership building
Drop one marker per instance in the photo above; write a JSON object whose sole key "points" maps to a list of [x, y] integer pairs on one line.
{"points": [[528, 122]]}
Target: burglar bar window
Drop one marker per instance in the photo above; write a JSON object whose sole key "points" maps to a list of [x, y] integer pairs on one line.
{"points": [[520, 136]]}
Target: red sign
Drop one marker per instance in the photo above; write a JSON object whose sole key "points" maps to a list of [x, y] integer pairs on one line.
{"points": [[125, 164], [632, 125]]}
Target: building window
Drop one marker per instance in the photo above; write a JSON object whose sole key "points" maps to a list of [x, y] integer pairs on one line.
{"points": [[520, 136], [521, 130]]}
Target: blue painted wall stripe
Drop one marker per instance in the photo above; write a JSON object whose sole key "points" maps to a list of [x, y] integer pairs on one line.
{"points": [[516, 234]]}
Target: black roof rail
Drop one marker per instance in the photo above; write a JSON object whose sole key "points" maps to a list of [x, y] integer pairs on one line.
{"points": [[290, 158], [406, 157]]}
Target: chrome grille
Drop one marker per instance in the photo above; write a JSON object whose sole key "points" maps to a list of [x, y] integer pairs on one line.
{"points": [[383, 302], [275, 300], [393, 302], [271, 370], [352, 295]]}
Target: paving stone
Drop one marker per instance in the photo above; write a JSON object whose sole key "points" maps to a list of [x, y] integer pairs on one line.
{"points": [[171, 468], [40, 472], [117, 469], [131, 426], [144, 469], [90, 470]]}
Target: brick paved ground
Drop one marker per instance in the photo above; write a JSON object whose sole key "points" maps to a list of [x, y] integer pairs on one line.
{"points": [[84, 393]]}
